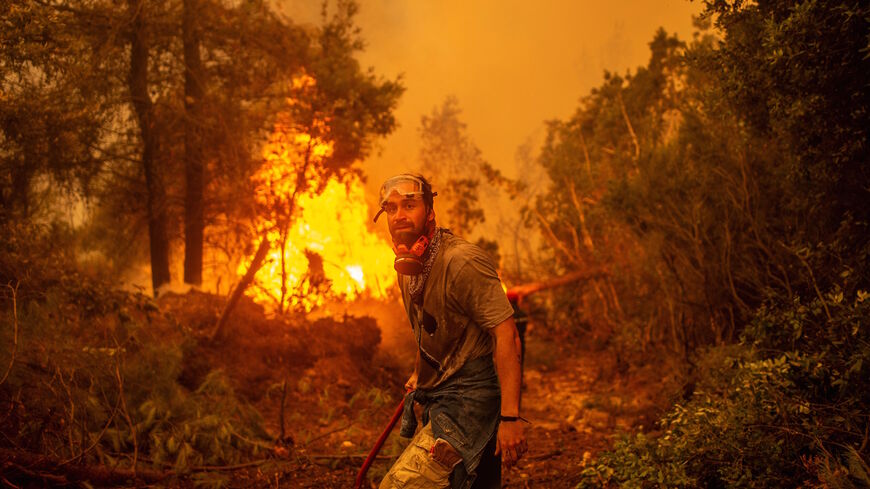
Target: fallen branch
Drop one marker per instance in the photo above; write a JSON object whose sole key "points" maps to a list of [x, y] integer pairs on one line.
{"points": [[219, 329], [302, 186], [50, 468], [531, 288], [324, 435], [544, 456], [213, 468], [351, 455]]}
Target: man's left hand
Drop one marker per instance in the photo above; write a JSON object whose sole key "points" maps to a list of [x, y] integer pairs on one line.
{"points": [[511, 442]]}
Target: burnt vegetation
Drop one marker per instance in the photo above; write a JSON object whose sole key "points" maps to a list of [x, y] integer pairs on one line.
{"points": [[714, 202]]}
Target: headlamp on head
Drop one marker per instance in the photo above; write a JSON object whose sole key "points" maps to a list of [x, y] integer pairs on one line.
{"points": [[407, 186]]}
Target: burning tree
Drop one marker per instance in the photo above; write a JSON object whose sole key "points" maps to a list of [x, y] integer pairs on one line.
{"points": [[294, 165], [314, 221], [335, 111]]}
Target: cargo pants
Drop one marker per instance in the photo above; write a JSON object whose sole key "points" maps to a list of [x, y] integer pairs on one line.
{"points": [[426, 463]]}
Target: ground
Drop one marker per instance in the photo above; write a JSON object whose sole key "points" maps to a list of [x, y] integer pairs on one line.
{"points": [[326, 385], [577, 401]]}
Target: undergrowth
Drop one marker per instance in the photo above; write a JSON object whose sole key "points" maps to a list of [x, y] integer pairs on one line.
{"points": [[786, 407], [90, 374]]}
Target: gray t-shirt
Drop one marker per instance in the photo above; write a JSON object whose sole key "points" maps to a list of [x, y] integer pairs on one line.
{"points": [[462, 300]]}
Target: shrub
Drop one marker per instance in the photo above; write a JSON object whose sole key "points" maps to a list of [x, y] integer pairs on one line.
{"points": [[785, 408], [90, 374]]}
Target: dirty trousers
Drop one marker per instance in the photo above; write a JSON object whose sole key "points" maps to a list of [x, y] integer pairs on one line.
{"points": [[417, 468]]}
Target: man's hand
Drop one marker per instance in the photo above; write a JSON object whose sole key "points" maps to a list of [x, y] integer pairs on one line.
{"points": [[511, 442], [411, 384]]}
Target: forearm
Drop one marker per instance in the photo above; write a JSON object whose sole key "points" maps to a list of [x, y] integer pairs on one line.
{"points": [[507, 362]]}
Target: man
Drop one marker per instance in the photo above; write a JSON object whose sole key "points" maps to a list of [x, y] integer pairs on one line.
{"points": [[465, 333]]}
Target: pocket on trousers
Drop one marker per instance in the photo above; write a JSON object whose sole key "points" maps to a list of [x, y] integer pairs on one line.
{"points": [[420, 471]]}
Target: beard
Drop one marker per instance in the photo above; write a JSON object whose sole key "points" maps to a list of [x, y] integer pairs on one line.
{"points": [[408, 231], [406, 236]]}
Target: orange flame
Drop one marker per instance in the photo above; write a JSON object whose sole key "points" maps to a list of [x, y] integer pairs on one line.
{"points": [[328, 252]]}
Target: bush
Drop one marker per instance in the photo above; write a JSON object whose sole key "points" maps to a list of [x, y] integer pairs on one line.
{"points": [[90, 374], [788, 407]]}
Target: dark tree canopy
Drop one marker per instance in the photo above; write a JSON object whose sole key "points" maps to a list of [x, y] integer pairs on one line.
{"points": [[187, 88]]}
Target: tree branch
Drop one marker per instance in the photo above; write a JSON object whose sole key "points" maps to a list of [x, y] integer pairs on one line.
{"points": [[47, 467], [556, 242], [630, 129]]}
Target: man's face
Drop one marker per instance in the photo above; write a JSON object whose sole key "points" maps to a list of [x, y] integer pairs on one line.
{"points": [[406, 217]]}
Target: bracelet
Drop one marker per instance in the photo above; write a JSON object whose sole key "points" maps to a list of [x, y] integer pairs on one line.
{"points": [[513, 418]]}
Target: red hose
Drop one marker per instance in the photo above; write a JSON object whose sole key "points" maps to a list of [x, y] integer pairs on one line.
{"points": [[378, 444]]}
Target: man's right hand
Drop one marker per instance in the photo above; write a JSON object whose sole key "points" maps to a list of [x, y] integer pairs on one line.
{"points": [[411, 384]]}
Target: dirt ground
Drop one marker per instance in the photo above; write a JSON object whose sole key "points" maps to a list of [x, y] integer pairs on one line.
{"points": [[327, 386], [576, 400]]}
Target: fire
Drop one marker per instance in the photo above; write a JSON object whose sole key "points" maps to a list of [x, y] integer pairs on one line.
{"points": [[349, 262], [321, 248]]}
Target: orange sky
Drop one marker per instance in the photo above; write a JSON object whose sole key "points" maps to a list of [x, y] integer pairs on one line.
{"points": [[512, 64]]}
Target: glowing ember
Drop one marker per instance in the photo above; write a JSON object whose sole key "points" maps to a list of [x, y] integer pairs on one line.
{"points": [[328, 253]]}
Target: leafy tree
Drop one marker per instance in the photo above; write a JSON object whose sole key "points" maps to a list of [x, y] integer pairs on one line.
{"points": [[794, 72], [163, 127], [453, 162], [54, 107], [594, 160], [746, 214]]}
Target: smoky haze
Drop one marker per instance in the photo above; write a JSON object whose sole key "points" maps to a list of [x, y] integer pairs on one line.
{"points": [[512, 64]]}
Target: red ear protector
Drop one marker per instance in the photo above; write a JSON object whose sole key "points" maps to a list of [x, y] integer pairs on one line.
{"points": [[409, 259]]}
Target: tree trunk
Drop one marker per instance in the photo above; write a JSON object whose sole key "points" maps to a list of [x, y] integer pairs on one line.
{"points": [[262, 250], [220, 328], [194, 82], [156, 199]]}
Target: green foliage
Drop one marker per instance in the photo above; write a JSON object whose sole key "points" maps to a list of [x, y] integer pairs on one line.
{"points": [[373, 397], [749, 221], [786, 408], [95, 372], [66, 121], [48, 123], [724, 172], [795, 70]]}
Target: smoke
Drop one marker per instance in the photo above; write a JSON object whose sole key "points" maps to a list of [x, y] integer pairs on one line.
{"points": [[512, 65]]}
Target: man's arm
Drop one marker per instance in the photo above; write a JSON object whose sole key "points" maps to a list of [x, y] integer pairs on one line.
{"points": [[511, 439], [411, 384]]}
